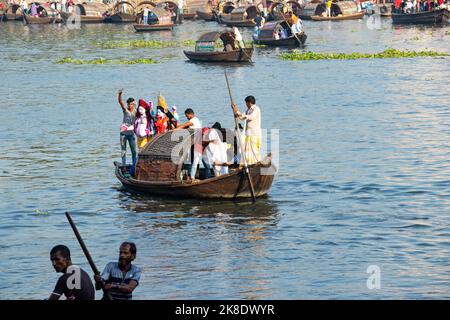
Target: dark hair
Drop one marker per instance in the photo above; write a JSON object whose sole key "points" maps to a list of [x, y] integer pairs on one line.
{"points": [[217, 126], [62, 249], [250, 99], [189, 111], [133, 249], [130, 100]]}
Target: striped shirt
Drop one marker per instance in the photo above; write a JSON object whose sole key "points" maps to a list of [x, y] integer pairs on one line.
{"points": [[113, 274]]}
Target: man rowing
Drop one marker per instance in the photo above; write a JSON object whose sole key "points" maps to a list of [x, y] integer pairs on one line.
{"points": [[122, 277], [75, 283], [252, 117]]}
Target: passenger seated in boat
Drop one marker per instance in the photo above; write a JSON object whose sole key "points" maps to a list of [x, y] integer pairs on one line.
{"points": [[228, 41], [215, 155], [152, 18]]}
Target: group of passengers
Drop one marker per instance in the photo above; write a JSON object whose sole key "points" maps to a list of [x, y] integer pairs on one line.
{"points": [[415, 6], [143, 122]]}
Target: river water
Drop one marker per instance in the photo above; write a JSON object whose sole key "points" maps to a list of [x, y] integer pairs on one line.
{"points": [[363, 180]]}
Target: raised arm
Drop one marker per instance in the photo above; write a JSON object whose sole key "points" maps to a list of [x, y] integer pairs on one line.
{"points": [[119, 99]]}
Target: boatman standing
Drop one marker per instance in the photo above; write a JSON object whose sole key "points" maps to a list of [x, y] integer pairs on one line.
{"points": [[120, 278], [252, 117], [75, 283]]}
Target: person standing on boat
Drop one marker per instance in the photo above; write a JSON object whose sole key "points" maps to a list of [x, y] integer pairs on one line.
{"points": [[120, 278], [127, 128], [329, 8], [75, 283], [143, 124], [145, 15], [252, 116], [193, 123]]}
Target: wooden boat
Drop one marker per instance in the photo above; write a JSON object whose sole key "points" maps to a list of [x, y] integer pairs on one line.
{"points": [[340, 10], [46, 16], [276, 9], [205, 45], [122, 12], [164, 21], [240, 17], [13, 13], [207, 12], [428, 17], [159, 171], [266, 35], [87, 12], [358, 15]]}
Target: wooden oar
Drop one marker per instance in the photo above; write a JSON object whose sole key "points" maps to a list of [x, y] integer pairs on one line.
{"points": [[87, 254], [238, 132]]}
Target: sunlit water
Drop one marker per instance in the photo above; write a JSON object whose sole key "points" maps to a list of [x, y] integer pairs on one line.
{"points": [[364, 172]]}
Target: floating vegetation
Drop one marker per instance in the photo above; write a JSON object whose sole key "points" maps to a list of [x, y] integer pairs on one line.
{"points": [[41, 213], [257, 45], [105, 61], [386, 54]]}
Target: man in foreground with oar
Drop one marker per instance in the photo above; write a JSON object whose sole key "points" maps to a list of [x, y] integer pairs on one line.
{"points": [[75, 283], [120, 278], [252, 143]]}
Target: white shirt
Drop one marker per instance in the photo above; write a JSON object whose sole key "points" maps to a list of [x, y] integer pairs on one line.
{"points": [[196, 123], [216, 151], [237, 34], [253, 117], [146, 11]]}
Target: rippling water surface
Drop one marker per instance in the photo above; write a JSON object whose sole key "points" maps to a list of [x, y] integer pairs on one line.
{"points": [[364, 175]]}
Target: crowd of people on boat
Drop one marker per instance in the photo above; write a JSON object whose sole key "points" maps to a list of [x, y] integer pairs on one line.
{"points": [[143, 122], [415, 6], [40, 10]]}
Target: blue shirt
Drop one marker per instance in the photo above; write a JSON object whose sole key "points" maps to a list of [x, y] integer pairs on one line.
{"points": [[113, 274]]}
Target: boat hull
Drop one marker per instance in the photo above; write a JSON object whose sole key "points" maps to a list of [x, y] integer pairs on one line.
{"points": [[288, 42], [152, 27], [241, 55], [40, 20], [83, 19], [430, 17], [236, 23], [207, 16], [230, 186], [353, 16], [121, 18], [12, 17]]}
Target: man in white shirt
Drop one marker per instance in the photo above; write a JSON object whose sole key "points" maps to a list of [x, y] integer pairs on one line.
{"points": [[193, 123], [145, 15], [252, 143], [238, 37]]}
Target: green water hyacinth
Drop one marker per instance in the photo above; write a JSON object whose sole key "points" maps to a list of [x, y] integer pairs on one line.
{"points": [[105, 61], [386, 54]]}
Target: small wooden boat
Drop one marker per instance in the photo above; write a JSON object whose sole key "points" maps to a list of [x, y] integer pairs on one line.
{"points": [[428, 17], [164, 21], [276, 9], [340, 10], [205, 49], [87, 12], [122, 12], [159, 171], [46, 16], [207, 12], [240, 17], [352, 16], [13, 13], [266, 35]]}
